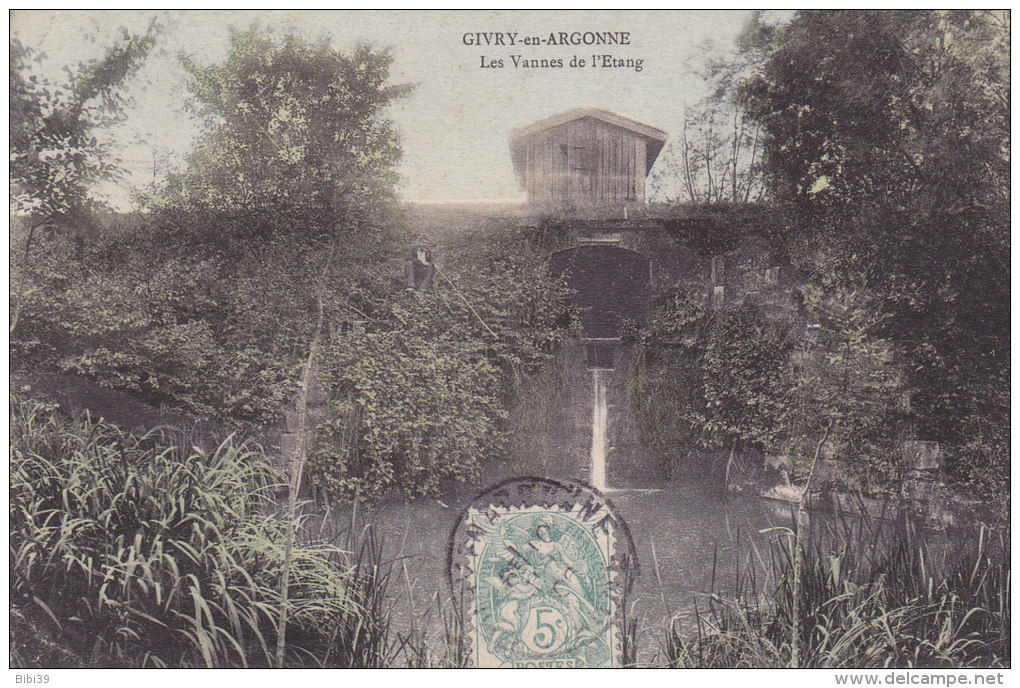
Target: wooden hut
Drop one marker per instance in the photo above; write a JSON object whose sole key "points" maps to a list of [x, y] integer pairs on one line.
{"points": [[585, 157]]}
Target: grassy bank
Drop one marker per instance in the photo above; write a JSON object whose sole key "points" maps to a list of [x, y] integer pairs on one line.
{"points": [[127, 552], [858, 597]]}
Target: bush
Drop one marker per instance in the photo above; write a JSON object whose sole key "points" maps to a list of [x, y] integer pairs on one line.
{"points": [[851, 381], [297, 144], [420, 386], [217, 337], [732, 378], [141, 555], [710, 378]]}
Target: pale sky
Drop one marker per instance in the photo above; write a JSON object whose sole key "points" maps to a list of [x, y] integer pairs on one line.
{"points": [[454, 127]]}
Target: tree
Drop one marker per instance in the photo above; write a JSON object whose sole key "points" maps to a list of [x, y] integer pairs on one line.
{"points": [[718, 156], [887, 139], [297, 140], [221, 329], [55, 158]]}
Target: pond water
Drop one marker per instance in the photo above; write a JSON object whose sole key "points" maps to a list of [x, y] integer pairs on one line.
{"points": [[693, 539]]}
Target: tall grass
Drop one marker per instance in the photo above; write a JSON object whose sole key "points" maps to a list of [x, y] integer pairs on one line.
{"points": [[857, 598], [137, 554]]}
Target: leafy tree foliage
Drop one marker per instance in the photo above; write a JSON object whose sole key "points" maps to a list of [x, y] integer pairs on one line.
{"points": [[848, 386], [55, 158], [219, 339], [297, 142], [888, 139], [734, 379], [712, 378]]}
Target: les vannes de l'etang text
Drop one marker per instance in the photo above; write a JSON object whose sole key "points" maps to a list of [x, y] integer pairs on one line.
{"points": [[553, 38]]}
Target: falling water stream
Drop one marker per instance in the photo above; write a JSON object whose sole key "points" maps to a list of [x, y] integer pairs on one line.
{"points": [[599, 420]]}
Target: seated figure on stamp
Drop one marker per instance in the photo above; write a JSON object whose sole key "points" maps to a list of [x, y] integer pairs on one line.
{"points": [[559, 571]]}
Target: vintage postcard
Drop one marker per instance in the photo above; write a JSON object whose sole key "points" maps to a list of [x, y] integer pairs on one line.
{"points": [[510, 339]]}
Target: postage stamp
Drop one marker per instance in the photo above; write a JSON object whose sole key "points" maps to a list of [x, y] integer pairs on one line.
{"points": [[541, 569], [292, 292]]}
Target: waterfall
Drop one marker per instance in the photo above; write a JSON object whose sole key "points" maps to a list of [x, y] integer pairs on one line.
{"points": [[599, 421]]}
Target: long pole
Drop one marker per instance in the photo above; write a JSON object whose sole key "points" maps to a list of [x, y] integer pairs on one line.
{"points": [[294, 487], [466, 302]]}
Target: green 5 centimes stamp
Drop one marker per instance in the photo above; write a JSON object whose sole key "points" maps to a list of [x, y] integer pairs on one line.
{"points": [[541, 569], [541, 582]]}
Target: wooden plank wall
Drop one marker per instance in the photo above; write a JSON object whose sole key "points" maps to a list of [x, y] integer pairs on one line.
{"points": [[585, 162]]}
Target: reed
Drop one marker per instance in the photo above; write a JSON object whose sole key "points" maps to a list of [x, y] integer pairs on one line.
{"points": [[860, 596], [136, 554]]}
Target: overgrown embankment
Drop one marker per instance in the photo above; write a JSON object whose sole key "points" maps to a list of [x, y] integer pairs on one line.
{"points": [[423, 387], [422, 384], [736, 380], [734, 372]]}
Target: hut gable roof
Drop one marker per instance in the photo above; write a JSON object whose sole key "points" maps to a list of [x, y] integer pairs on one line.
{"points": [[656, 138]]}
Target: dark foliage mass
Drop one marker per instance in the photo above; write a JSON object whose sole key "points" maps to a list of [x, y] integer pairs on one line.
{"points": [[55, 158], [422, 382], [886, 139]]}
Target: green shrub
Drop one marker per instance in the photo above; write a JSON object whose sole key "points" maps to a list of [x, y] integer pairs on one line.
{"points": [[852, 381], [710, 378], [410, 411], [218, 338], [143, 555], [421, 385], [733, 378]]}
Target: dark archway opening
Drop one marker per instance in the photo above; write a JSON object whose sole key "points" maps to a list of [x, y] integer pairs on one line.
{"points": [[610, 287]]}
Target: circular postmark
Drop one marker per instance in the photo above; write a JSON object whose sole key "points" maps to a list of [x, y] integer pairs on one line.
{"points": [[540, 570]]}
